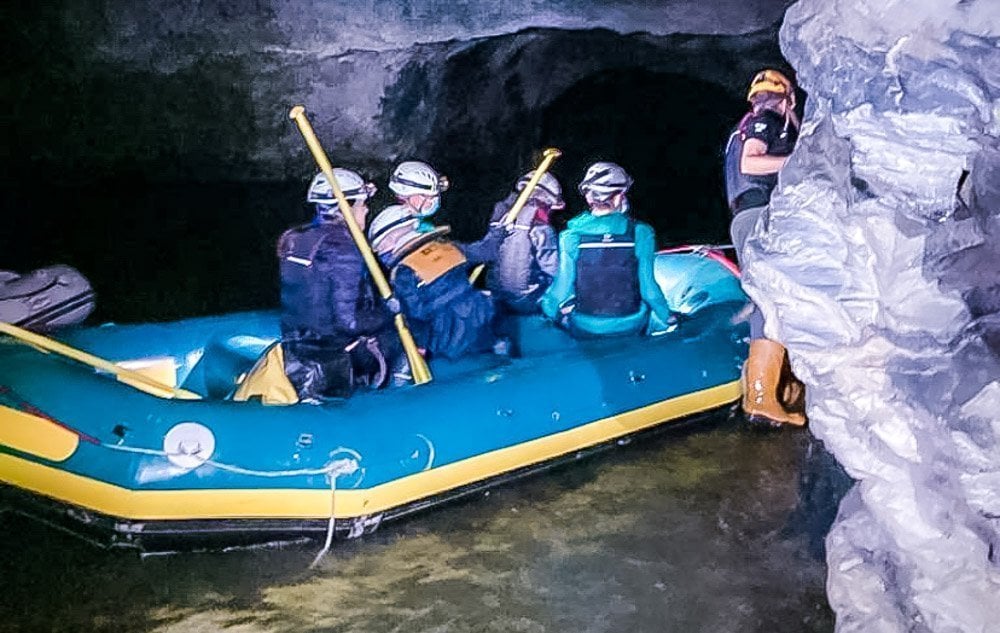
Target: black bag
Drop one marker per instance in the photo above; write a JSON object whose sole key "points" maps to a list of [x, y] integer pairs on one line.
{"points": [[325, 368]]}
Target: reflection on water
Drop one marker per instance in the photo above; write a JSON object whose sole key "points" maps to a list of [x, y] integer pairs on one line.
{"points": [[699, 530]]}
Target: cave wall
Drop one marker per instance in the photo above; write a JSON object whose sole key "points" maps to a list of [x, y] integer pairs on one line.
{"points": [[878, 264], [200, 90]]}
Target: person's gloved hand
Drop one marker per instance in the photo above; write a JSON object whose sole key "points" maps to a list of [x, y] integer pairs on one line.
{"points": [[392, 303], [499, 232]]}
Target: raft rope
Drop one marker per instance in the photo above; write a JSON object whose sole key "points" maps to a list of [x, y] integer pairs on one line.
{"points": [[333, 469], [329, 528]]}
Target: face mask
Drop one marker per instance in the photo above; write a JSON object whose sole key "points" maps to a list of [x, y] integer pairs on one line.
{"points": [[430, 208]]}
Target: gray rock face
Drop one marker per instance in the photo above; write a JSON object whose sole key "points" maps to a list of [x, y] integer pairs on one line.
{"points": [[200, 89], [880, 270]]}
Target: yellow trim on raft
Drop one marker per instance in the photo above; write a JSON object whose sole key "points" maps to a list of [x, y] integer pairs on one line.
{"points": [[36, 435], [151, 505]]}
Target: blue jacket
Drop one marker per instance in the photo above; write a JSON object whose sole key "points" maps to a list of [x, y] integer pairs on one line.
{"points": [[326, 291], [447, 315], [563, 287]]}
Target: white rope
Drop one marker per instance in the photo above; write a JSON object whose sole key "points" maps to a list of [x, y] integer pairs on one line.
{"points": [[329, 528], [335, 468], [332, 470]]}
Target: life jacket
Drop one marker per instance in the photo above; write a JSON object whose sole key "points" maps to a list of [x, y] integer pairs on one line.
{"points": [[607, 274], [745, 191], [429, 257], [447, 315]]}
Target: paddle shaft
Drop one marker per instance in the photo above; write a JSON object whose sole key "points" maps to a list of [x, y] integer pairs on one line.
{"points": [[549, 155], [52, 345], [418, 366]]}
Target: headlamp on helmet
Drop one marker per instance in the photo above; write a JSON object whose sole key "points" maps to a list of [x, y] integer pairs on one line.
{"points": [[416, 178]]}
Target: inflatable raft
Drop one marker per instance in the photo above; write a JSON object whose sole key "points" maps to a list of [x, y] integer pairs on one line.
{"points": [[113, 460]]}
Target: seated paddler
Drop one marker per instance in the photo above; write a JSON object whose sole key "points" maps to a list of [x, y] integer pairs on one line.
{"points": [[447, 315], [336, 332], [604, 284], [418, 188], [522, 255]]}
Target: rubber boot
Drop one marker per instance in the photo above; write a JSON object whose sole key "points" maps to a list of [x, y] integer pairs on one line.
{"points": [[761, 380], [793, 391]]}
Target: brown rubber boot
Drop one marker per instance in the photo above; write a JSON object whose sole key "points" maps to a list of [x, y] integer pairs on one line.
{"points": [[761, 380], [793, 391]]}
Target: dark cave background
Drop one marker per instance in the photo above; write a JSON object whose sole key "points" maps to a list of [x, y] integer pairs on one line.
{"points": [[148, 182]]}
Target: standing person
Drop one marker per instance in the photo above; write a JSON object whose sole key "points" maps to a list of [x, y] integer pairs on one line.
{"points": [[757, 150], [336, 332], [418, 188], [448, 316], [523, 256], [605, 284]]}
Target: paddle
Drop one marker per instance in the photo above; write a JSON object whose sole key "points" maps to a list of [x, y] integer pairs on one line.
{"points": [[418, 366], [548, 155], [51, 345]]}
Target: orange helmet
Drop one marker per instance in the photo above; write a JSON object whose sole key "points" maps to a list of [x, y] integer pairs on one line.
{"points": [[771, 81]]}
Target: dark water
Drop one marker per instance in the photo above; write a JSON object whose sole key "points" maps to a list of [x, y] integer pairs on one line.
{"points": [[709, 529]]}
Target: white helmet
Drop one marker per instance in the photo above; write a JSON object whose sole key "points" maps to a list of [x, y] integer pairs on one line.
{"points": [[604, 180], [547, 184], [351, 184], [413, 177], [388, 220]]}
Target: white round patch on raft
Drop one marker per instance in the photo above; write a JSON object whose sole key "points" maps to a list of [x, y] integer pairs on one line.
{"points": [[189, 445]]}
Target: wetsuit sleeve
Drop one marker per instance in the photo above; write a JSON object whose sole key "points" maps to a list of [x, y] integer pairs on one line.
{"points": [[545, 247], [563, 285], [645, 252]]}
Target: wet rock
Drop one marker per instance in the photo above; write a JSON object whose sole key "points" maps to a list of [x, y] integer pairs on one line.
{"points": [[880, 272]]}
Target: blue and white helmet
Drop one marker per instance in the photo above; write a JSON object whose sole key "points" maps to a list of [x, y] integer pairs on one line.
{"points": [[351, 184], [413, 177], [391, 218], [603, 180]]}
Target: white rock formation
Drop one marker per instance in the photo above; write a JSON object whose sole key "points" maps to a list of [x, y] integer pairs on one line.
{"points": [[879, 267]]}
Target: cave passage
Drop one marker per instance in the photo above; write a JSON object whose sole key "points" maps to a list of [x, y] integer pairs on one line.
{"points": [[667, 130]]}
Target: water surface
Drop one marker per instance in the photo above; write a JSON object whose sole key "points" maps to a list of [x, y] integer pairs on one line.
{"points": [[708, 529]]}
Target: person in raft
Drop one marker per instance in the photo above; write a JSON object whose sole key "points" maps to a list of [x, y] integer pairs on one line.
{"points": [[522, 256], [604, 284], [447, 315], [418, 188], [756, 151], [336, 332]]}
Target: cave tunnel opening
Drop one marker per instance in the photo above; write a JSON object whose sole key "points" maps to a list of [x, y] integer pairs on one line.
{"points": [[668, 130]]}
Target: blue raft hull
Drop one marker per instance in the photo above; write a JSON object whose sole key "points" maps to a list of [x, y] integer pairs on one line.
{"points": [[129, 468]]}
